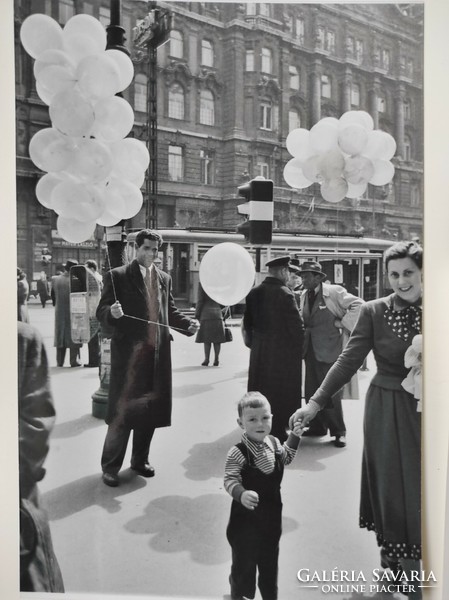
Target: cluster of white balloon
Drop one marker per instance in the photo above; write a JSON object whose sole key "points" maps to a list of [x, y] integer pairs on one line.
{"points": [[94, 173], [343, 155]]}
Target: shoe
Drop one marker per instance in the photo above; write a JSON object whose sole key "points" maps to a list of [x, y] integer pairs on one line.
{"points": [[77, 364], [340, 441], [110, 479], [205, 363], [312, 433], [90, 366], [144, 470], [216, 362]]}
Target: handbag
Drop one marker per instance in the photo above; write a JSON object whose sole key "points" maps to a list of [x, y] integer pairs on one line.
{"points": [[227, 330]]}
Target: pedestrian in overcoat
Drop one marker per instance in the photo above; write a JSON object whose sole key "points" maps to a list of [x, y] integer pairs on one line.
{"points": [[140, 386], [273, 330]]}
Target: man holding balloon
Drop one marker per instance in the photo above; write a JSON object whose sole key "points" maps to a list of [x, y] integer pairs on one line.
{"points": [[273, 329]]}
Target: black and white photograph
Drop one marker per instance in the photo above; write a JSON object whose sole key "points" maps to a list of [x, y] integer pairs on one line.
{"points": [[223, 378]]}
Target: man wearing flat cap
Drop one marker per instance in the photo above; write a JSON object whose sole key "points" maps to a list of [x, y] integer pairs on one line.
{"points": [[273, 329], [60, 295], [329, 313]]}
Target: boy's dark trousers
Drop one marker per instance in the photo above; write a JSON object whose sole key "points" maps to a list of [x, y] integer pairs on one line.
{"points": [[254, 535]]}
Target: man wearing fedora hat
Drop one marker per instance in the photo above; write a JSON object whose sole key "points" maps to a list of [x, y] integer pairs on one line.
{"points": [[273, 329], [330, 313], [60, 295]]}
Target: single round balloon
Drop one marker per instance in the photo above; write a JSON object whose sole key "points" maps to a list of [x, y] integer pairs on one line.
{"points": [[123, 193], [67, 197], [383, 172], [323, 136], [40, 32], [50, 150], [71, 113], [334, 190], [356, 190], [125, 67], [92, 161], [297, 143], [358, 169], [45, 187], [107, 219], [53, 57], [114, 119], [358, 117], [331, 164], [75, 231], [311, 169], [98, 76], [352, 138], [130, 157], [380, 146], [227, 273], [55, 79], [294, 175], [83, 35]]}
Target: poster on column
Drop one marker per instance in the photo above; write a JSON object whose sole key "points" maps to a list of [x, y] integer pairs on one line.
{"points": [[234, 80]]}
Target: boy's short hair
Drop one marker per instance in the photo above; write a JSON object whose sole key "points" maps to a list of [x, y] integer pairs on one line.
{"points": [[251, 400]]}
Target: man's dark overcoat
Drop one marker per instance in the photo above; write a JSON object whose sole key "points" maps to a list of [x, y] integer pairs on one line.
{"points": [[273, 329], [136, 370]]}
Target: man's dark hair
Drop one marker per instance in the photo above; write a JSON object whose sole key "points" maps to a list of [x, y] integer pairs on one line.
{"points": [[148, 234], [404, 250]]}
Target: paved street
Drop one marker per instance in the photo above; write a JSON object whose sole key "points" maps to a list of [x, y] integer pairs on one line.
{"points": [[165, 537]]}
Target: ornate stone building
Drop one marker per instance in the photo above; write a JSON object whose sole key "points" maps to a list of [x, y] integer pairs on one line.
{"points": [[232, 81]]}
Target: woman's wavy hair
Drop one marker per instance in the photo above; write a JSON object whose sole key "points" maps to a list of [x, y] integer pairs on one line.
{"points": [[404, 250]]}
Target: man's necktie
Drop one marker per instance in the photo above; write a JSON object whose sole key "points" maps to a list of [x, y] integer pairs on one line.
{"points": [[311, 296], [153, 303]]}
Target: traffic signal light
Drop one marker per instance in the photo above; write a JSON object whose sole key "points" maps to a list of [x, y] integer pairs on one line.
{"points": [[259, 207]]}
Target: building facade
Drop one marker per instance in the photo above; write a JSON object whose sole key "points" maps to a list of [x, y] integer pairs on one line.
{"points": [[232, 81]]}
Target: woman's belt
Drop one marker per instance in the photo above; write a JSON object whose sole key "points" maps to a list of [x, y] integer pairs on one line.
{"points": [[389, 382]]}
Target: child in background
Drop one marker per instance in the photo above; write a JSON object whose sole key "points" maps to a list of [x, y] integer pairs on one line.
{"points": [[253, 475]]}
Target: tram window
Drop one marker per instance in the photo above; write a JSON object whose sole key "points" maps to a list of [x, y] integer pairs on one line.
{"points": [[370, 277]]}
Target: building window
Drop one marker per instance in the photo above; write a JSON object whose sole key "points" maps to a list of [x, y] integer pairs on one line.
{"points": [[294, 78], [66, 11], [381, 104], [88, 8], [386, 59], [355, 94], [175, 163], [415, 195], [407, 148], [407, 110], [359, 50], [249, 62], [140, 93], [267, 60], [250, 8], [207, 167], [320, 37], [207, 108], [294, 120], [264, 9], [266, 115], [176, 44], [104, 16], [330, 41], [350, 46], [207, 54], [263, 169], [326, 89], [176, 102], [409, 68], [299, 30], [48, 8]]}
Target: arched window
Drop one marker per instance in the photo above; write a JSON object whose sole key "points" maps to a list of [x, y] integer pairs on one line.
{"points": [[251, 8], [176, 102], [326, 88], [207, 108], [207, 53], [407, 148], [140, 93], [175, 163], [249, 62], [381, 104], [294, 120], [176, 44], [267, 60], [294, 78], [407, 110]]}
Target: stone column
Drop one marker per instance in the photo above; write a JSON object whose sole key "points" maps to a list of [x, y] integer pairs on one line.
{"points": [[315, 80], [399, 119], [346, 90]]}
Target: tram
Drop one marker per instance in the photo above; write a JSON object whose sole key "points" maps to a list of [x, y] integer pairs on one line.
{"points": [[353, 262]]}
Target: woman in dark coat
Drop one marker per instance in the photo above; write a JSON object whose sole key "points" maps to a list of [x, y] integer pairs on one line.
{"points": [[209, 313]]}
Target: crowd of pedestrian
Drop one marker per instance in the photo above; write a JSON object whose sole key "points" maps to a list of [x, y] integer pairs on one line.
{"points": [[294, 319]]}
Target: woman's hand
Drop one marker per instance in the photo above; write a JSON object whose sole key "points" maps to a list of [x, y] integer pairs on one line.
{"points": [[304, 415], [249, 499]]}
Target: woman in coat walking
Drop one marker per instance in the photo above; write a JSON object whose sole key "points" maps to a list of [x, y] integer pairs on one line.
{"points": [[209, 313]]}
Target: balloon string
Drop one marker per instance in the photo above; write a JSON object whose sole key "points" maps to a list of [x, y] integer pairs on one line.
{"points": [[116, 299]]}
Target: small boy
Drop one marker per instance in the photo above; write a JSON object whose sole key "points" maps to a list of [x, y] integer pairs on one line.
{"points": [[253, 475]]}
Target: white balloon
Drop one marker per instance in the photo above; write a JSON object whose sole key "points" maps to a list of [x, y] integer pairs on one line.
{"points": [[357, 117], [297, 143], [383, 172], [125, 66], [53, 57], [294, 175], [45, 95], [66, 198], [358, 169], [114, 119], [130, 158], [74, 231], [71, 113], [39, 33], [92, 161], [108, 219], [124, 195], [83, 35], [334, 190], [54, 79], [380, 145], [45, 187], [331, 164], [356, 190], [98, 76], [311, 169], [323, 136], [352, 138], [50, 150], [227, 273]]}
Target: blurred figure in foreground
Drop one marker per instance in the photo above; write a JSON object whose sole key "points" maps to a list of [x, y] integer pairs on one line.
{"points": [[23, 290]]}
